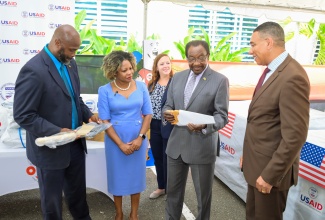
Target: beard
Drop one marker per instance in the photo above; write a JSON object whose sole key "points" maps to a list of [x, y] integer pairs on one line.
{"points": [[63, 58]]}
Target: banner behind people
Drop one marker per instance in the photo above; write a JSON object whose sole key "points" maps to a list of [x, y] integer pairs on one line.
{"points": [[25, 27]]}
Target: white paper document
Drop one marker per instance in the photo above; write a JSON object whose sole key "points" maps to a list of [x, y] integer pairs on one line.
{"points": [[185, 117]]}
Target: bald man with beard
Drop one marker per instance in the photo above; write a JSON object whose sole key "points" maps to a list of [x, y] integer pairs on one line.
{"points": [[47, 101]]}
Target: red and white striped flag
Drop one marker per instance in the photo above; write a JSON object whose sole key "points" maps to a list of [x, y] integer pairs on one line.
{"points": [[227, 130], [312, 164]]}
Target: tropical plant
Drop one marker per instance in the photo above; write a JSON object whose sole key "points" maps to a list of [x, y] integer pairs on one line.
{"points": [[308, 29], [221, 52], [320, 59]]}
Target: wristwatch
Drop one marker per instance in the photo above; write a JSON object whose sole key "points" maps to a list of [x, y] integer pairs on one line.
{"points": [[142, 135]]}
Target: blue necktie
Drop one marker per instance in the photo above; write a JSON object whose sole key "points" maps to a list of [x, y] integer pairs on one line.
{"points": [[69, 88]]}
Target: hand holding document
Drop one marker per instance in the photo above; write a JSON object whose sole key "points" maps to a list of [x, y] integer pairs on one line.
{"points": [[87, 130], [182, 118]]}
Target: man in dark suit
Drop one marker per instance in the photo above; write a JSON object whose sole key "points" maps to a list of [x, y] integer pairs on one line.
{"points": [[47, 101], [277, 125], [201, 90]]}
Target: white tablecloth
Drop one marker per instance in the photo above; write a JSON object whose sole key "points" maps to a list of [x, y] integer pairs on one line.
{"points": [[19, 174]]}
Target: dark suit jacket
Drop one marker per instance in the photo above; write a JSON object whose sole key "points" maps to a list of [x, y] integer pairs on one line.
{"points": [[42, 106], [165, 129], [277, 127]]}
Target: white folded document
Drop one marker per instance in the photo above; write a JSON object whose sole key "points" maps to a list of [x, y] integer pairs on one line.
{"points": [[182, 118]]}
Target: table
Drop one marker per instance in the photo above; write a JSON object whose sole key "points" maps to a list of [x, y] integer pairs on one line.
{"points": [[299, 205], [19, 174]]}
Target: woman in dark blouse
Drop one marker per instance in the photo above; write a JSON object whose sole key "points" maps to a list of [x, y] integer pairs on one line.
{"points": [[161, 75]]}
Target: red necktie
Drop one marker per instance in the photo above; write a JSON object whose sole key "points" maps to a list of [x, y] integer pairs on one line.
{"points": [[261, 80]]}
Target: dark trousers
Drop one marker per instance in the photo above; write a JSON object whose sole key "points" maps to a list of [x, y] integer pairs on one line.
{"points": [[158, 148], [261, 206], [71, 180]]}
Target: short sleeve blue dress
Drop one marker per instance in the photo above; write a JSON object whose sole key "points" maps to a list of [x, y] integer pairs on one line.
{"points": [[126, 174]]}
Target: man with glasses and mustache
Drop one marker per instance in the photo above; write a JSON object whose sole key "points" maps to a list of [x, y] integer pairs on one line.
{"points": [[205, 91], [47, 101]]}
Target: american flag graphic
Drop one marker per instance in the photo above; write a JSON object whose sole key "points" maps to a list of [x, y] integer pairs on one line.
{"points": [[227, 130], [312, 164]]}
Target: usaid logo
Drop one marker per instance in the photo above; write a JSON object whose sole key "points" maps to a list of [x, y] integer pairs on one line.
{"points": [[27, 33], [313, 193], [52, 7], [10, 60], [91, 104], [9, 42], [7, 90], [9, 23], [28, 51], [26, 14], [227, 148], [53, 25], [8, 3]]}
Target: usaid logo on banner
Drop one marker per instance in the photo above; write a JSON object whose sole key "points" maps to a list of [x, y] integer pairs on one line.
{"points": [[310, 201], [9, 42], [9, 23], [91, 104], [27, 33], [52, 7], [8, 3], [32, 52], [26, 14], [9, 60], [7, 90], [53, 25], [229, 150]]}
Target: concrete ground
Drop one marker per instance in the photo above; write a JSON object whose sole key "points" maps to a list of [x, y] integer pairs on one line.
{"points": [[226, 205]]}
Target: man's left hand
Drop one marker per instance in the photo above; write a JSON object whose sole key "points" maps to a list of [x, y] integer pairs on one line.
{"points": [[94, 118], [196, 128], [263, 186]]}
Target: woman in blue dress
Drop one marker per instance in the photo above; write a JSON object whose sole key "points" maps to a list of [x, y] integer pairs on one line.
{"points": [[125, 104]]}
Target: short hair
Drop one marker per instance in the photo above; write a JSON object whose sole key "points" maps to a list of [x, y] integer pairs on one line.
{"points": [[196, 43], [113, 62], [273, 30]]}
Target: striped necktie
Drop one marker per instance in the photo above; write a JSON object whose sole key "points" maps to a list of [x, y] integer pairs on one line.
{"points": [[189, 90]]}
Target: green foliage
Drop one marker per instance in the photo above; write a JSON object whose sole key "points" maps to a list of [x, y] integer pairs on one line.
{"points": [[308, 29], [320, 60], [221, 52]]}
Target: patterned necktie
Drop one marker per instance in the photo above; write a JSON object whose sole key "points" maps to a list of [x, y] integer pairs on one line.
{"points": [[69, 88], [189, 89], [261, 80]]}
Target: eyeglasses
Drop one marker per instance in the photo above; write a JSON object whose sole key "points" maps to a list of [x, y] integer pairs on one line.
{"points": [[200, 59]]}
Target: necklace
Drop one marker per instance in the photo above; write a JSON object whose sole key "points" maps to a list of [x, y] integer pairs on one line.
{"points": [[120, 87]]}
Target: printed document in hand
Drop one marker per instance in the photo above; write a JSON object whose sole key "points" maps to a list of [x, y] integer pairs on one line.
{"points": [[182, 118]]}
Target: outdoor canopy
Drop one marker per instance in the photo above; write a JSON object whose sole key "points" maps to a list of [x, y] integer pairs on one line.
{"points": [[272, 9]]}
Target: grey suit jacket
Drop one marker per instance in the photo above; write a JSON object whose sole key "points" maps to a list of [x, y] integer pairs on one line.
{"points": [[210, 97], [42, 106]]}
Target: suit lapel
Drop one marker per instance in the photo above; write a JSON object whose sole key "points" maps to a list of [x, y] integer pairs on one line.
{"points": [[269, 81], [201, 84]]}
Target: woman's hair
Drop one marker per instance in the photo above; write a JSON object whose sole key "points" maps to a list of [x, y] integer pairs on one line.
{"points": [[155, 72], [113, 62]]}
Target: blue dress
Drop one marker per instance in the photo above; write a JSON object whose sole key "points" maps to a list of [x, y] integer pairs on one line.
{"points": [[126, 174]]}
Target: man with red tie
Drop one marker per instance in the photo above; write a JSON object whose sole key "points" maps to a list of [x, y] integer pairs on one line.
{"points": [[277, 125]]}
